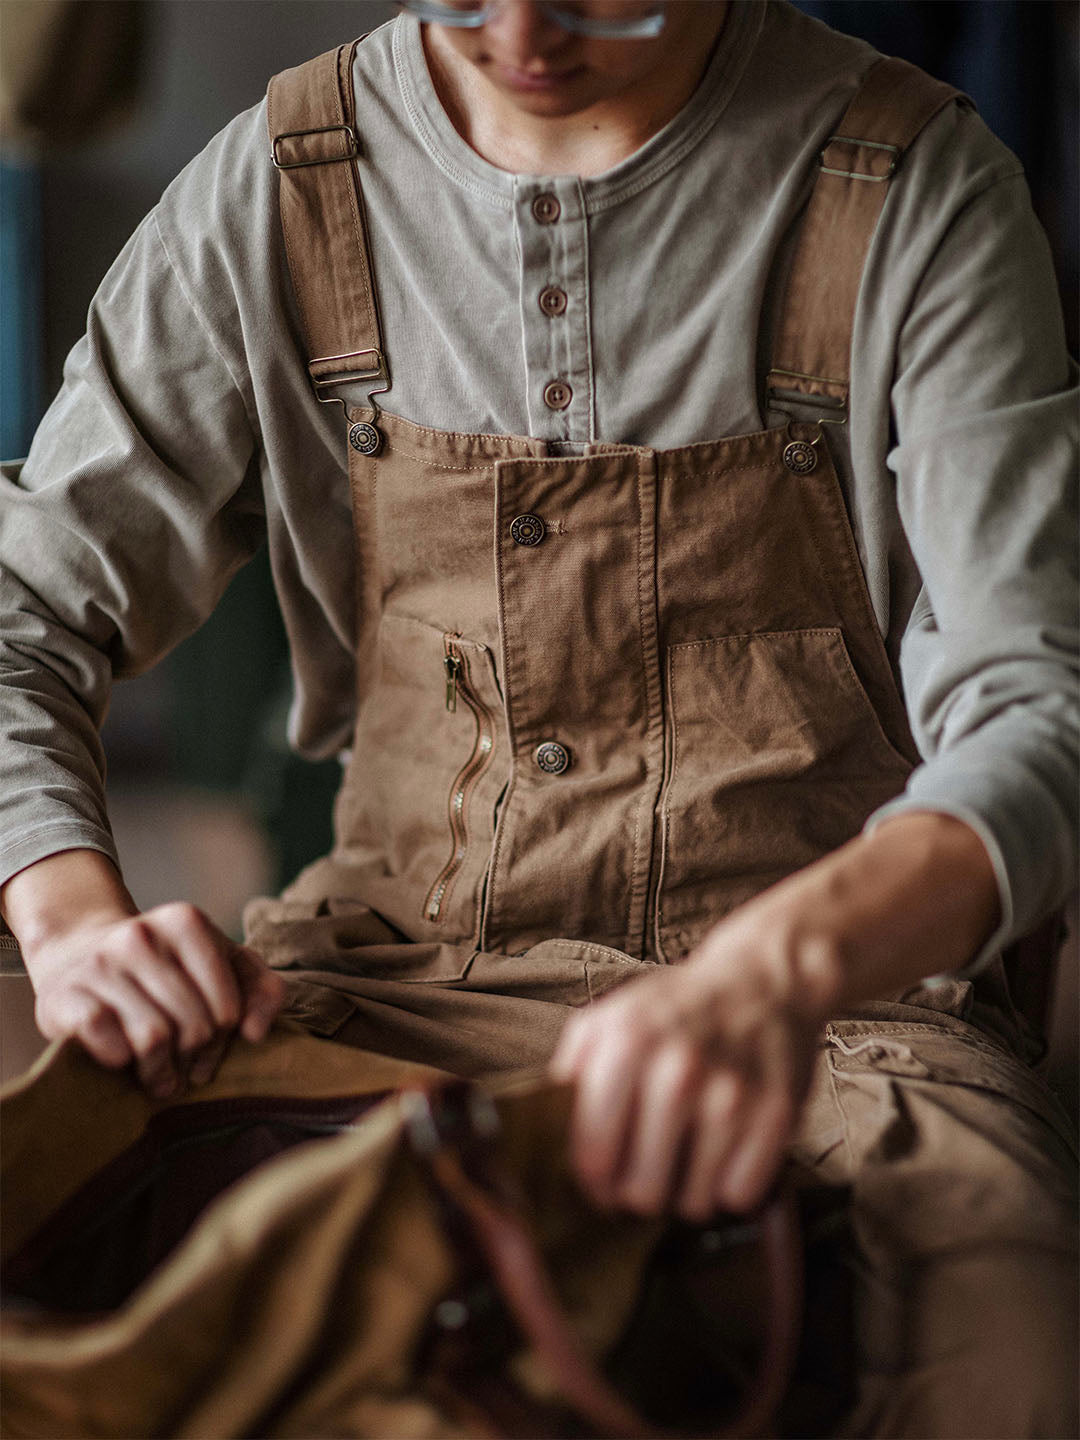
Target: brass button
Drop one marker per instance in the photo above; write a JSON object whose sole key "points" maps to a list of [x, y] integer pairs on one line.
{"points": [[552, 757], [527, 530], [800, 457], [365, 438], [557, 395], [552, 300], [546, 209]]}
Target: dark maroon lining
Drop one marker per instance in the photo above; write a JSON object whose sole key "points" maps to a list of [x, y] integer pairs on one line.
{"points": [[107, 1237]]}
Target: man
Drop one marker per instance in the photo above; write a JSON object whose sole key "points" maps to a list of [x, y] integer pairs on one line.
{"points": [[683, 739]]}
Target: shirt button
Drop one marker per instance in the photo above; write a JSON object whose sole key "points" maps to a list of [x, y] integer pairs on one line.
{"points": [[546, 209], [552, 757], [557, 395], [552, 300], [527, 530]]}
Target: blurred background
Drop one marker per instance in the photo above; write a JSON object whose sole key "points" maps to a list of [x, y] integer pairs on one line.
{"points": [[101, 103]]}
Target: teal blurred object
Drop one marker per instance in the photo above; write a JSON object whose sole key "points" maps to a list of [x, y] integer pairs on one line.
{"points": [[20, 305]]}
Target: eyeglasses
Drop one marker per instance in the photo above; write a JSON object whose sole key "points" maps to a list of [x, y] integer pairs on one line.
{"points": [[597, 19]]}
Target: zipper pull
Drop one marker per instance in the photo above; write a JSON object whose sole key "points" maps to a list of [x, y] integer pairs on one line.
{"points": [[452, 666]]}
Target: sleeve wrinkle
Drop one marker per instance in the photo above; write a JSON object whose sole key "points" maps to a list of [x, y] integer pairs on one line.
{"points": [[188, 293]]}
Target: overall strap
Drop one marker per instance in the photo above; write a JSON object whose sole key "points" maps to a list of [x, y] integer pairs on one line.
{"points": [[314, 146], [812, 350]]}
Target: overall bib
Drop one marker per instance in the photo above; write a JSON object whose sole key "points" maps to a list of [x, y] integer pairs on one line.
{"points": [[603, 699]]}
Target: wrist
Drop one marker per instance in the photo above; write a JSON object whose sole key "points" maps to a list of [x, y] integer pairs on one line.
{"points": [[774, 954], [58, 896], [915, 897]]}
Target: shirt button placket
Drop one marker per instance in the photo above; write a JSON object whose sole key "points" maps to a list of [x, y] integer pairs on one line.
{"points": [[551, 238]]}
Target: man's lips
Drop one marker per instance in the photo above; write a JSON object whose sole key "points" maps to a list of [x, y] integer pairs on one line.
{"points": [[535, 81]]}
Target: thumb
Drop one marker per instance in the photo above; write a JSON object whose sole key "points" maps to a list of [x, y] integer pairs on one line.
{"points": [[262, 990]]}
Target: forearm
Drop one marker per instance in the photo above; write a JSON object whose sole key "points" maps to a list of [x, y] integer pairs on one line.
{"points": [[914, 897]]}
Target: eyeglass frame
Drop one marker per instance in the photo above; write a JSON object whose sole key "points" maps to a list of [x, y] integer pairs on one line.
{"points": [[643, 28]]}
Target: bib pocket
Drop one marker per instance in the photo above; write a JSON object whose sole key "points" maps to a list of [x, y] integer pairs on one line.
{"points": [[776, 757]]}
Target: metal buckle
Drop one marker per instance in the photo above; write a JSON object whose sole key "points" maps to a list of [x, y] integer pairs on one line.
{"points": [[894, 163], [778, 398], [359, 374], [457, 1116], [351, 154]]}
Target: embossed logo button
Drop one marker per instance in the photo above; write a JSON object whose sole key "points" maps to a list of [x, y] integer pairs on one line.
{"points": [[365, 438], [552, 300], [528, 530], [800, 457], [546, 209], [552, 757], [557, 395]]}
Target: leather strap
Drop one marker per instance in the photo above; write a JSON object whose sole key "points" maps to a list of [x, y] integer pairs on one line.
{"points": [[443, 1132], [315, 148], [812, 351]]}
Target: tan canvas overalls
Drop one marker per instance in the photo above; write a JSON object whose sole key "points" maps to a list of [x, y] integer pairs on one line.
{"points": [[605, 699]]}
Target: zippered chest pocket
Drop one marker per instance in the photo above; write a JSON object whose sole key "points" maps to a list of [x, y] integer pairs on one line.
{"points": [[417, 814], [460, 692]]}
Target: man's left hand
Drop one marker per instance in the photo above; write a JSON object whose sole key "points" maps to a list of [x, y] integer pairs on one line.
{"points": [[689, 1080]]}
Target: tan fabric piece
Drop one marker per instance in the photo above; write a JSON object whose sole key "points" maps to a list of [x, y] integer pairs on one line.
{"points": [[294, 1306], [706, 706], [963, 1175]]}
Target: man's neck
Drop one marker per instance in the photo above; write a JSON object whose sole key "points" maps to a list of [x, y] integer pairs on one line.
{"points": [[585, 143]]}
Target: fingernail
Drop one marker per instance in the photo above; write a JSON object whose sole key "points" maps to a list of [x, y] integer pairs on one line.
{"points": [[163, 1088], [202, 1072]]}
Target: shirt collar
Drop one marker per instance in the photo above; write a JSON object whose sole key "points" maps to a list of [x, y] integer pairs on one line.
{"points": [[667, 148]]}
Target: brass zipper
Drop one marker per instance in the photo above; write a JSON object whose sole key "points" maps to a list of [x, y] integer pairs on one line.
{"points": [[457, 686]]}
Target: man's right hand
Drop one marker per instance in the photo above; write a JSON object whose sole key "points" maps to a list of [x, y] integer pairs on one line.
{"points": [[165, 988]]}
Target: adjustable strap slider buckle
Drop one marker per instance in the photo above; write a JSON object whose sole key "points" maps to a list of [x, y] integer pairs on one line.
{"points": [[362, 367], [351, 152], [818, 392], [893, 151]]}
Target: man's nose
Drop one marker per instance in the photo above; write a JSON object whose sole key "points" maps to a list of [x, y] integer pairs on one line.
{"points": [[521, 32]]}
